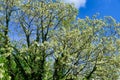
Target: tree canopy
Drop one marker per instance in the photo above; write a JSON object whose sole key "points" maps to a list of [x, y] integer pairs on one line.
{"points": [[52, 43]]}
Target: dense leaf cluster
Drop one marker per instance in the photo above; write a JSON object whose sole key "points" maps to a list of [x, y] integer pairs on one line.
{"points": [[51, 44]]}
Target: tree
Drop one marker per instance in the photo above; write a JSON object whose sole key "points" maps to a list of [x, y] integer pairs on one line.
{"points": [[7, 7], [83, 52], [4, 55], [57, 46]]}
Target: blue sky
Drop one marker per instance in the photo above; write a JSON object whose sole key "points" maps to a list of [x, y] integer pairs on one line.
{"points": [[91, 7]]}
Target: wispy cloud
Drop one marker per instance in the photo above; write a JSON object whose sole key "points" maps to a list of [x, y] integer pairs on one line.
{"points": [[77, 3]]}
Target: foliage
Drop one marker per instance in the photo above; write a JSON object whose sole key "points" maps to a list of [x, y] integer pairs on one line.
{"points": [[54, 45]]}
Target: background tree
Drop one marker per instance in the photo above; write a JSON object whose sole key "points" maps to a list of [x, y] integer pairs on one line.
{"points": [[56, 45]]}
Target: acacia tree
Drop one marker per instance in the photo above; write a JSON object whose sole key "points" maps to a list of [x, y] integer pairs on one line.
{"points": [[57, 46]]}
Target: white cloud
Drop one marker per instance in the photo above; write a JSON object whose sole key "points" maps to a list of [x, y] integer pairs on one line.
{"points": [[77, 3]]}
